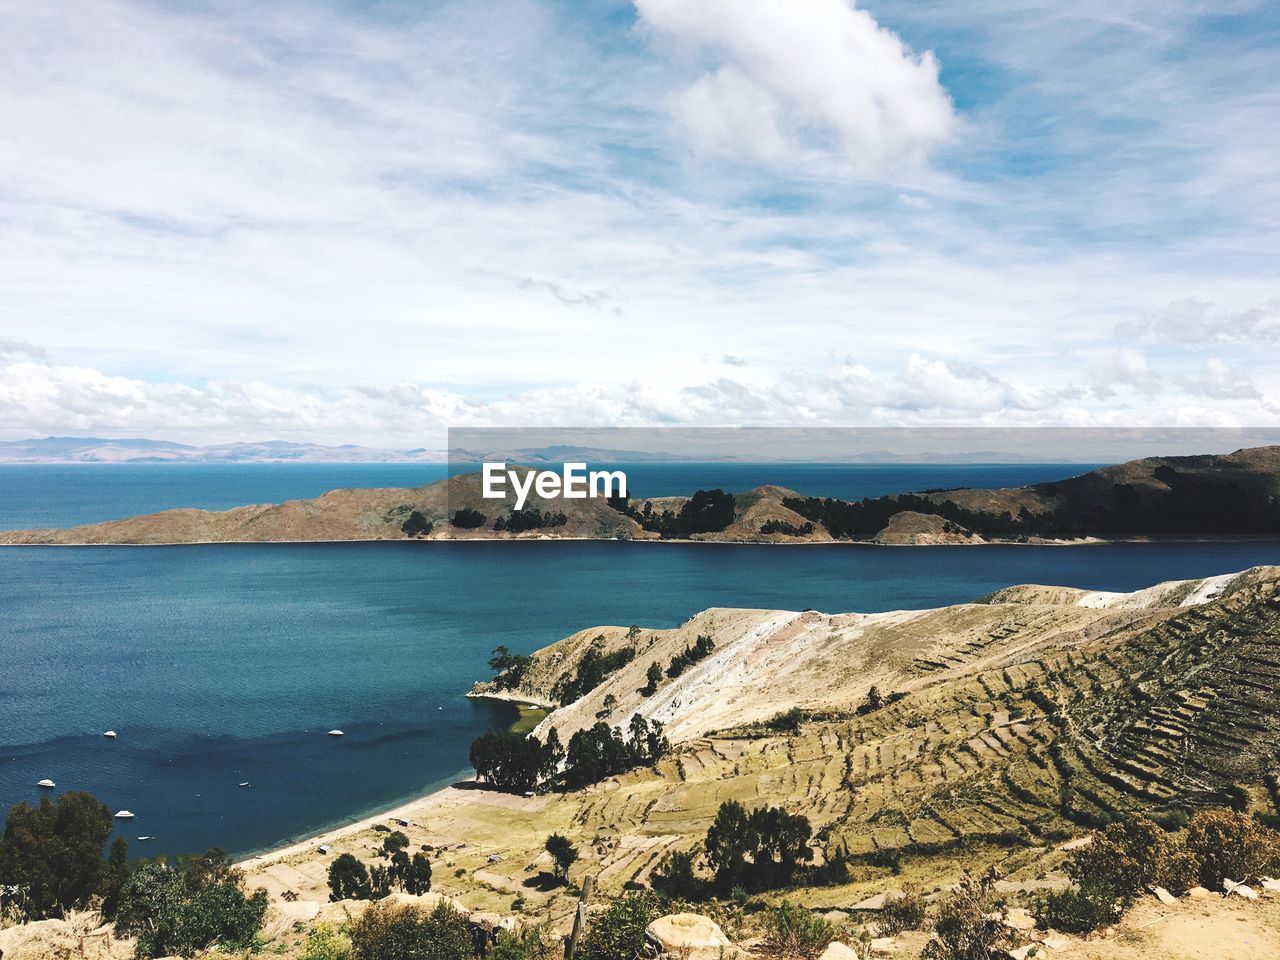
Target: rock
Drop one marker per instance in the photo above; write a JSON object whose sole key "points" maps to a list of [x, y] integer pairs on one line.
{"points": [[1199, 893], [835, 916], [689, 935], [1235, 889], [838, 951], [1270, 887], [1163, 895], [876, 902], [1055, 943], [1016, 918], [881, 946], [1021, 953]]}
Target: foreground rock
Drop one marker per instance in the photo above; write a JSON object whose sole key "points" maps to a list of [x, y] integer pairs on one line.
{"points": [[689, 935]]}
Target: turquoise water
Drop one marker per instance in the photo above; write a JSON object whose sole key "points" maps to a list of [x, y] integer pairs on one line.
{"points": [[224, 664]]}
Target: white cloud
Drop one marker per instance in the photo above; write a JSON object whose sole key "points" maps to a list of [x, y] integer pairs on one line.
{"points": [[1199, 321], [921, 391], [784, 80], [13, 349], [1124, 368]]}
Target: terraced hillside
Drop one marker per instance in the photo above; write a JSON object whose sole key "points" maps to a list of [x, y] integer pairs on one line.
{"points": [[1005, 727]]}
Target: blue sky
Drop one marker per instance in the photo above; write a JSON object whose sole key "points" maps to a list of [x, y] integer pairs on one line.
{"points": [[369, 222]]}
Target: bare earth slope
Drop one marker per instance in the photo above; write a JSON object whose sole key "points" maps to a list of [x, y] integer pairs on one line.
{"points": [[1235, 495]]}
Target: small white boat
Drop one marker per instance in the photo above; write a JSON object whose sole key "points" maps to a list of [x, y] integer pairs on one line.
{"points": [[124, 815], [46, 783], [145, 839], [245, 784], [110, 734], [335, 733]]}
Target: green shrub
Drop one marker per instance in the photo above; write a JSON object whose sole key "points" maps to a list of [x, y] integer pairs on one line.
{"points": [[533, 943], [407, 932], [182, 911], [969, 925], [1229, 845], [793, 931], [1130, 855], [617, 932], [906, 912], [1078, 910], [326, 942]]}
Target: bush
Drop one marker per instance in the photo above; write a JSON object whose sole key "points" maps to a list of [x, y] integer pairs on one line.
{"points": [[407, 932], [51, 855], [969, 925], [906, 912], [1229, 845], [617, 932], [531, 943], [1131, 855], [326, 942], [792, 931], [1078, 910], [182, 911]]}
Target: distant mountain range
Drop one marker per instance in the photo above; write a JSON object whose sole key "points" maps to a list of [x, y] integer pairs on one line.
{"points": [[143, 450]]}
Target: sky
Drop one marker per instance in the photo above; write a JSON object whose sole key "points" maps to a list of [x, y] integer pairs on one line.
{"points": [[368, 222]]}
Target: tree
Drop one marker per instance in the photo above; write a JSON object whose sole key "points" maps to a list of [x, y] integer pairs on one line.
{"points": [[610, 702], [508, 668], [562, 854], [513, 762], [417, 525], [395, 842], [379, 883], [652, 677], [114, 875], [467, 519], [408, 932], [51, 855], [760, 850], [348, 879], [417, 878]]}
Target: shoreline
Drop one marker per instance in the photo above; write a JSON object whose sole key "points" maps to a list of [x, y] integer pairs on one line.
{"points": [[1077, 542]]}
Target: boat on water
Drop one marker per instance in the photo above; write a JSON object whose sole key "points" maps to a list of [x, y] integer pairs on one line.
{"points": [[145, 839], [124, 815], [46, 783], [245, 784], [110, 734], [336, 733]]}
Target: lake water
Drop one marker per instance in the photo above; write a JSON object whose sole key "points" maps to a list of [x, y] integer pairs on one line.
{"points": [[224, 664]]}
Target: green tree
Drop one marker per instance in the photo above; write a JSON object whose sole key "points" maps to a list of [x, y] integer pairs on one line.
{"points": [[563, 855], [653, 677], [468, 519], [417, 525], [395, 842], [51, 855], [417, 878], [348, 879], [114, 875], [760, 850]]}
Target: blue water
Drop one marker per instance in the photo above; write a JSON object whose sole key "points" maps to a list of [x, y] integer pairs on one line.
{"points": [[57, 495], [222, 664]]}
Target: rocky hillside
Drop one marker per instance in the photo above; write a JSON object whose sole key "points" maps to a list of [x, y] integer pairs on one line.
{"points": [[1002, 728], [1235, 495]]}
